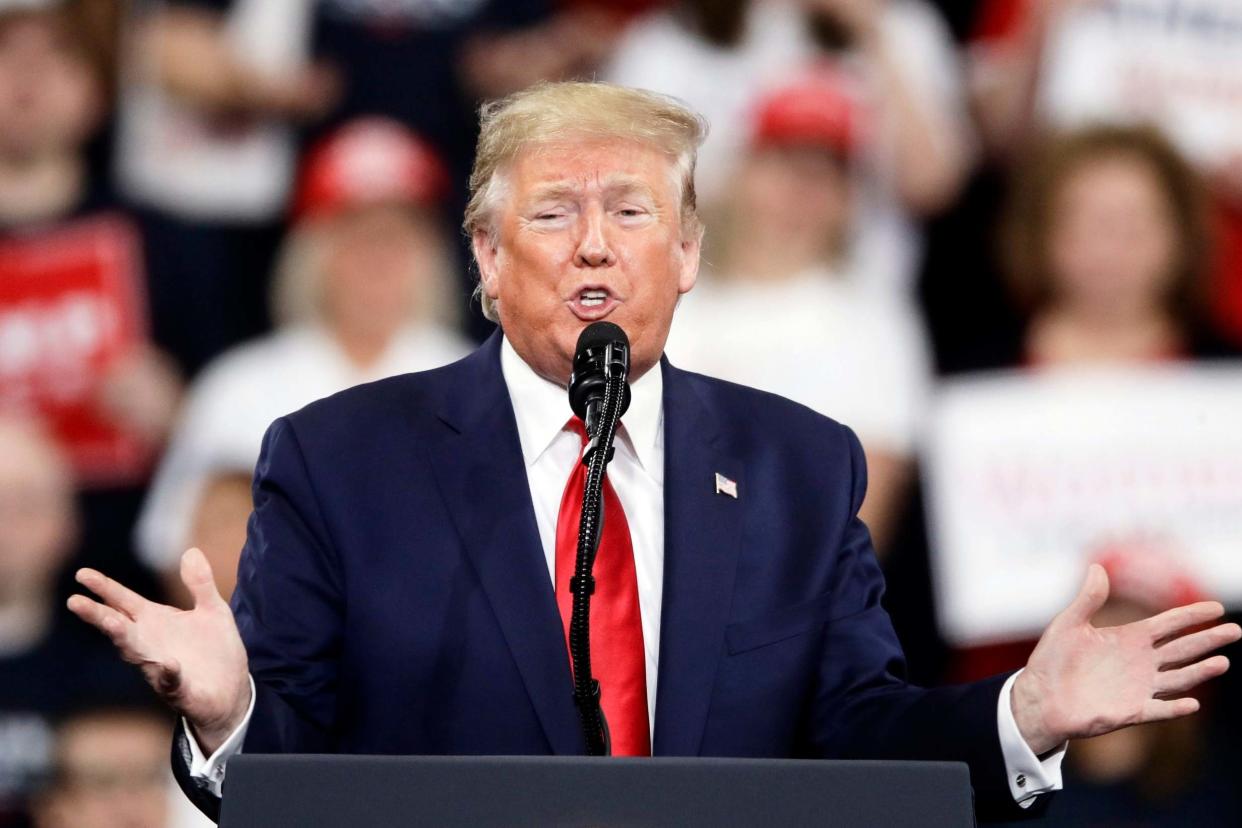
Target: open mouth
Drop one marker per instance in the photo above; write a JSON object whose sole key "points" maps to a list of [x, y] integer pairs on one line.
{"points": [[592, 303]]}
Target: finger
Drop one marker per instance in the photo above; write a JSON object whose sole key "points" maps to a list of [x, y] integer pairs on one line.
{"points": [[1090, 598], [1167, 624], [1159, 710], [115, 594], [198, 579], [1176, 682], [104, 618], [1188, 648]]}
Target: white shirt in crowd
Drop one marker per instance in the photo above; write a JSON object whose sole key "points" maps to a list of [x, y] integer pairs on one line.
{"points": [[662, 54], [818, 339], [175, 156], [637, 474], [239, 395]]}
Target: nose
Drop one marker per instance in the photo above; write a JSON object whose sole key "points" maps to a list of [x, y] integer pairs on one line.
{"points": [[594, 248]]}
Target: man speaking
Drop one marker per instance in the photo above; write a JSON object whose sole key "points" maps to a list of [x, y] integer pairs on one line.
{"points": [[404, 588]]}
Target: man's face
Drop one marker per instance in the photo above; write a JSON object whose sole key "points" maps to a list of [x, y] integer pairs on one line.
{"points": [[589, 229], [49, 98], [113, 772]]}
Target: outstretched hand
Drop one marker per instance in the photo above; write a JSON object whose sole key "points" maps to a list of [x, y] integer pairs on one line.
{"points": [[1084, 681], [194, 659]]}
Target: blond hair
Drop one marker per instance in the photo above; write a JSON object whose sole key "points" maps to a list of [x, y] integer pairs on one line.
{"points": [[549, 112]]}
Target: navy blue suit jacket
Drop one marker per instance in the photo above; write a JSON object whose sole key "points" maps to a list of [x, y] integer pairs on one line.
{"points": [[394, 597]]}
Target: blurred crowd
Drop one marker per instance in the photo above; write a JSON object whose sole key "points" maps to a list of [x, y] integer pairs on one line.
{"points": [[213, 212]]}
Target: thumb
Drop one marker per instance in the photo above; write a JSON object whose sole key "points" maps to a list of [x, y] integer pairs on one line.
{"points": [[198, 579], [1090, 598]]}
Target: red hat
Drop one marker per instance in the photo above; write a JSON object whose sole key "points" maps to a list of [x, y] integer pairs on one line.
{"points": [[368, 161], [816, 108]]}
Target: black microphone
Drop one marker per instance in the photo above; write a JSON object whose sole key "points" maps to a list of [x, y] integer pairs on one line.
{"points": [[603, 353], [599, 394]]}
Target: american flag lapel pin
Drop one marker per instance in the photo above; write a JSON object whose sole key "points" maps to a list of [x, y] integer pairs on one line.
{"points": [[725, 486]]}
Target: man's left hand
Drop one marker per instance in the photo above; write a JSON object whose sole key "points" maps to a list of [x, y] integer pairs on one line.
{"points": [[1084, 681]]}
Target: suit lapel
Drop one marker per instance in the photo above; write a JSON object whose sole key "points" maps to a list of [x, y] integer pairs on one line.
{"points": [[702, 537], [477, 461]]}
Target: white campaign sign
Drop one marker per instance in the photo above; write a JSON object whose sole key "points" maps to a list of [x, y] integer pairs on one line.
{"points": [[1030, 475], [1177, 63]]}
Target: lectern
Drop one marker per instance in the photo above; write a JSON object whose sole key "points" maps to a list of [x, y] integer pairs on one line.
{"points": [[311, 791]]}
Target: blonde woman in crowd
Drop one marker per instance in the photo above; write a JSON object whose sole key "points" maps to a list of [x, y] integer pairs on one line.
{"points": [[359, 288]]}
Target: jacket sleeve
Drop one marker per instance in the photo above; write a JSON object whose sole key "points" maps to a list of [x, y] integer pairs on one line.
{"points": [[870, 711], [288, 605]]}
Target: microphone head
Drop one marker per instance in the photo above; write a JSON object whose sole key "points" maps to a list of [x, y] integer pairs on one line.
{"points": [[594, 361], [598, 335]]}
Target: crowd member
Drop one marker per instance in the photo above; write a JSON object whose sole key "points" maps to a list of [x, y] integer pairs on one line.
{"points": [[362, 278], [1068, 63], [777, 308], [47, 666], [902, 66], [75, 349], [110, 770]]}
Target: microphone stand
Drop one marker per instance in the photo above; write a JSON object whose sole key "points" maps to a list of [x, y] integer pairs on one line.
{"points": [[601, 425]]}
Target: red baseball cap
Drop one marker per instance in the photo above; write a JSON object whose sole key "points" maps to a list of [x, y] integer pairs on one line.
{"points": [[815, 108], [368, 161]]}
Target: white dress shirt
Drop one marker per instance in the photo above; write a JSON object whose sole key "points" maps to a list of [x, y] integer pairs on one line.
{"points": [[637, 474]]}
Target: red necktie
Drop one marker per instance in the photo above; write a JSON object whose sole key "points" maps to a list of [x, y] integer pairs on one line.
{"points": [[617, 655]]}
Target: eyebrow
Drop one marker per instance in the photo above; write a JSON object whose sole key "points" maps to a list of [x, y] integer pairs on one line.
{"points": [[616, 185]]}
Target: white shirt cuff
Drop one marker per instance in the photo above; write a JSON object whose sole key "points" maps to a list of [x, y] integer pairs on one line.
{"points": [[1028, 775], [211, 768]]}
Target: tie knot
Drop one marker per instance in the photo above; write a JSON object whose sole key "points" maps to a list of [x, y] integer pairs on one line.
{"points": [[576, 425]]}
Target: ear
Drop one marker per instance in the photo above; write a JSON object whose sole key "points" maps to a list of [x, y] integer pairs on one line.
{"points": [[691, 247], [485, 256]]}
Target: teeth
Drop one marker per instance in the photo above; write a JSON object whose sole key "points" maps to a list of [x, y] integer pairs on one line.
{"points": [[593, 298]]}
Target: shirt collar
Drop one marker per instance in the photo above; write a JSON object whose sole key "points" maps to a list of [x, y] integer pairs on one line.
{"points": [[542, 409]]}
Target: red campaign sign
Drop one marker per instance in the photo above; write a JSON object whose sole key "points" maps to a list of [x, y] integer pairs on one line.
{"points": [[71, 303]]}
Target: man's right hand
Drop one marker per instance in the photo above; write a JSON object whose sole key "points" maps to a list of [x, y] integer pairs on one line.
{"points": [[194, 659]]}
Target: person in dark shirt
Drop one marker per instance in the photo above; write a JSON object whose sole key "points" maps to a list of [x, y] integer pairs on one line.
{"points": [[48, 666]]}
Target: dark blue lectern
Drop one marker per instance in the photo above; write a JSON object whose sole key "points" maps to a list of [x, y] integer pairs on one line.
{"points": [[306, 791]]}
